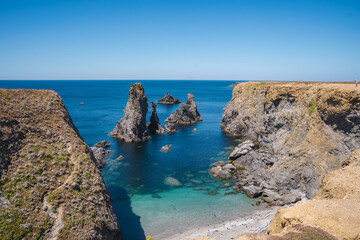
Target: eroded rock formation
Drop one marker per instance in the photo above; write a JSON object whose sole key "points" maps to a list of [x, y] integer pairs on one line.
{"points": [[50, 186], [154, 125], [187, 114], [303, 131], [168, 99], [132, 127]]}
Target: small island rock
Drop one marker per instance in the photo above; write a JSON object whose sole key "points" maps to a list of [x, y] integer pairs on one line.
{"points": [[170, 127], [165, 148], [168, 99], [187, 114]]}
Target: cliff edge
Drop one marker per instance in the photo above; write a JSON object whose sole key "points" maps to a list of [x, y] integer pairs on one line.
{"points": [[302, 130], [50, 185]]}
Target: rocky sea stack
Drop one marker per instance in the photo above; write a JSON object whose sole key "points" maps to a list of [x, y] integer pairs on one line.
{"points": [[132, 127], [154, 125], [297, 133], [168, 99], [51, 187], [187, 114]]}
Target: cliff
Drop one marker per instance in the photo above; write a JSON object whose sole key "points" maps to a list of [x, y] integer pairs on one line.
{"points": [[303, 131], [50, 185]]}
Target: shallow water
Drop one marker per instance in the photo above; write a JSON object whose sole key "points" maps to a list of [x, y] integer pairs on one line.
{"points": [[143, 203]]}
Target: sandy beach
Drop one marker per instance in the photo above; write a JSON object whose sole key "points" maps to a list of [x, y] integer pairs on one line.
{"points": [[256, 222]]}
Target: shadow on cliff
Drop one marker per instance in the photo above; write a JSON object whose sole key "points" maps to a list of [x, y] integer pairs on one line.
{"points": [[129, 222]]}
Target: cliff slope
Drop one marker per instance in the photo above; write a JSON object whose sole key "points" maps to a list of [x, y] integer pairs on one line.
{"points": [[303, 130], [50, 185]]}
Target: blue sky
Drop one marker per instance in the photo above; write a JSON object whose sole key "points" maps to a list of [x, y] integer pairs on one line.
{"points": [[180, 39]]}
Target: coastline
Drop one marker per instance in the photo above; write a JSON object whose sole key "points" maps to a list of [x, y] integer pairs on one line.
{"points": [[256, 222]]}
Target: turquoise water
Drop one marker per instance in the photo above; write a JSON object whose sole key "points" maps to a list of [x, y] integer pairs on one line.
{"points": [[142, 202]]}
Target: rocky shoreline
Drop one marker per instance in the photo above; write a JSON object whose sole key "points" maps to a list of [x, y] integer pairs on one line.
{"points": [[302, 141]]}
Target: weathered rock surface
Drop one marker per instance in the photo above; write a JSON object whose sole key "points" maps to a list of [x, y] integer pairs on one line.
{"points": [[335, 208], [103, 144], [53, 189], [100, 154], [187, 114], [304, 130], [170, 127], [154, 125], [132, 127], [168, 99]]}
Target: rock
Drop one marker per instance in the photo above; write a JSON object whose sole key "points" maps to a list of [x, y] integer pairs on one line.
{"points": [[75, 186], [173, 182], [100, 154], [241, 149], [168, 99], [154, 195], [252, 191], [132, 127], [230, 193], [257, 203], [200, 188], [165, 148], [224, 172], [82, 103], [215, 164], [187, 114], [103, 144], [212, 192], [170, 127], [120, 157], [154, 125], [226, 185]]}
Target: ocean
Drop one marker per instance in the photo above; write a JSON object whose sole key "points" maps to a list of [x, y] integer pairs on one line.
{"points": [[144, 205]]}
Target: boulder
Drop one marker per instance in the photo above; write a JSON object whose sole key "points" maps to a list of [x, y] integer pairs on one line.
{"points": [[154, 125], [242, 149], [252, 191], [165, 148], [132, 127], [168, 99], [103, 144]]}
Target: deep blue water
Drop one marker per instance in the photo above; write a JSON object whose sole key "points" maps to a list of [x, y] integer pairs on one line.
{"points": [[133, 180]]}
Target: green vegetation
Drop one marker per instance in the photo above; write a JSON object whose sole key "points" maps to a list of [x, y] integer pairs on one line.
{"points": [[4, 95], [312, 107], [55, 195], [10, 225]]}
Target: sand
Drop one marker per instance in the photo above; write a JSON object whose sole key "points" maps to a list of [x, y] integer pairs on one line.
{"points": [[256, 222]]}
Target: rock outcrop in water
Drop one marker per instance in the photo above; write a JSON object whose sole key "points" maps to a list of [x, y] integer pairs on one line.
{"points": [[303, 130], [168, 99], [154, 125], [132, 127], [170, 127], [187, 114], [50, 186], [103, 144], [100, 154]]}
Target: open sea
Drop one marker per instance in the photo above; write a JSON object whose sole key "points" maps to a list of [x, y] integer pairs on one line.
{"points": [[144, 205]]}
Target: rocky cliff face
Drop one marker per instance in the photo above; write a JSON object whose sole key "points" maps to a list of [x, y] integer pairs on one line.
{"points": [[335, 208], [303, 131], [132, 127], [50, 185]]}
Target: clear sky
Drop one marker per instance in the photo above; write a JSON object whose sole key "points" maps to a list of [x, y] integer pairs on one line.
{"points": [[180, 39]]}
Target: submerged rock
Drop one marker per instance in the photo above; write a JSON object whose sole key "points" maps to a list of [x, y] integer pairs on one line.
{"points": [[132, 127], [187, 114], [168, 99], [154, 125], [173, 182], [170, 127], [103, 144]]}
